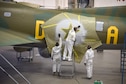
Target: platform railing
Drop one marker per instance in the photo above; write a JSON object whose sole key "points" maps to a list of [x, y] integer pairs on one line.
{"points": [[23, 49], [28, 82], [8, 75]]}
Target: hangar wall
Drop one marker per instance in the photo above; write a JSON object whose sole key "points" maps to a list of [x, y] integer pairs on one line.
{"points": [[62, 4], [106, 3], [65, 4], [51, 4]]}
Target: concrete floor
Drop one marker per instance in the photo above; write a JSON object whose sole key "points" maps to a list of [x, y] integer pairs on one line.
{"points": [[106, 68]]}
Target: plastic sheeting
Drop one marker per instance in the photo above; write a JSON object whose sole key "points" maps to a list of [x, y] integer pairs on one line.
{"points": [[62, 23]]}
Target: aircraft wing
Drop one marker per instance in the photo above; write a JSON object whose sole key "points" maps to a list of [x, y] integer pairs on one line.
{"points": [[9, 37]]}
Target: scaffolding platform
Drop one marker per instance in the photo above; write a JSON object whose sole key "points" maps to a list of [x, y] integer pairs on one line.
{"points": [[24, 53], [67, 68]]}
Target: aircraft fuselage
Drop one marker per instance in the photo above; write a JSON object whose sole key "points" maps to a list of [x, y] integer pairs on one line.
{"points": [[27, 20]]}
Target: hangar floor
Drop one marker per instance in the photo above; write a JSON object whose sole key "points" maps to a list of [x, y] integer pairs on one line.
{"points": [[38, 71]]}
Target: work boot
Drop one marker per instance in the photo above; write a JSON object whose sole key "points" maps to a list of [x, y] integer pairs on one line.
{"points": [[69, 59], [64, 58], [89, 78]]}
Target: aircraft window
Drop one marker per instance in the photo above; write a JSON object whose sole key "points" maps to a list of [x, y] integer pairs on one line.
{"points": [[7, 14], [99, 26]]}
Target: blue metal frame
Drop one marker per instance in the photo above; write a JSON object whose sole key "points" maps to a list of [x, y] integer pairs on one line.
{"points": [[123, 54], [125, 41], [122, 82]]}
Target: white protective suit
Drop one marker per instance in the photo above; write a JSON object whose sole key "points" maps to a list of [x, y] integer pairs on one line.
{"points": [[56, 55], [69, 45], [89, 62]]}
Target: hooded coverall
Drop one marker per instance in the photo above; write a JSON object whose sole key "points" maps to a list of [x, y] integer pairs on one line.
{"points": [[69, 44], [89, 62], [56, 55]]}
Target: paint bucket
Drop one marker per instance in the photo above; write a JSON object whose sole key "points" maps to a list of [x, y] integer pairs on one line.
{"points": [[98, 82]]}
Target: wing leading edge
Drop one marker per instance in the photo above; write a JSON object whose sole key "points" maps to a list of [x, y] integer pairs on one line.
{"points": [[9, 37]]}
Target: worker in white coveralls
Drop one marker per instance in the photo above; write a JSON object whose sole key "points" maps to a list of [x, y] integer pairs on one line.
{"points": [[69, 44], [56, 55], [88, 61]]}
